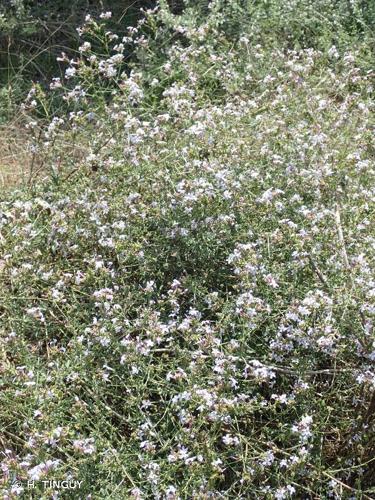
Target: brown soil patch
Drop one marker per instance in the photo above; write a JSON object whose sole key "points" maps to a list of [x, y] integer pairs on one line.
{"points": [[14, 155]]}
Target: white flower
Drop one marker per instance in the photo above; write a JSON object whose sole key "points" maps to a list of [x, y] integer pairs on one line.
{"points": [[85, 47], [104, 293], [230, 440], [303, 427], [150, 286], [111, 71], [268, 459], [333, 52], [286, 492], [85, 446], [16, 489], [36, 313], [270, 280], [39, 470], [136, 494], [183, 453], [170, 493], [70, 72]]}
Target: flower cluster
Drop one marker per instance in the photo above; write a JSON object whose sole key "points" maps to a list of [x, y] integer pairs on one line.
{"points": [[188, 302]]}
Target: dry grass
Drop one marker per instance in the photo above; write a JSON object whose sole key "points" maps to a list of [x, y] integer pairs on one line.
{"points": [[19, 166], [14, 155]]}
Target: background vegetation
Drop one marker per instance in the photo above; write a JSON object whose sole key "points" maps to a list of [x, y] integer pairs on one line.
{"points": [[187, 263], [33, 34]]}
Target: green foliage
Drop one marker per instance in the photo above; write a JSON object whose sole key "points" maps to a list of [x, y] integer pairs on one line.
{"points": [[187, 281], [33, 34]]}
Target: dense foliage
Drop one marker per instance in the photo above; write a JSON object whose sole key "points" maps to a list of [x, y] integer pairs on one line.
{"points": [[188, 282]]}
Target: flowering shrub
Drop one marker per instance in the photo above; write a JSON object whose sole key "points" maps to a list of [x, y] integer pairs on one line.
{"points": [[32, 32], [188, 300]]}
